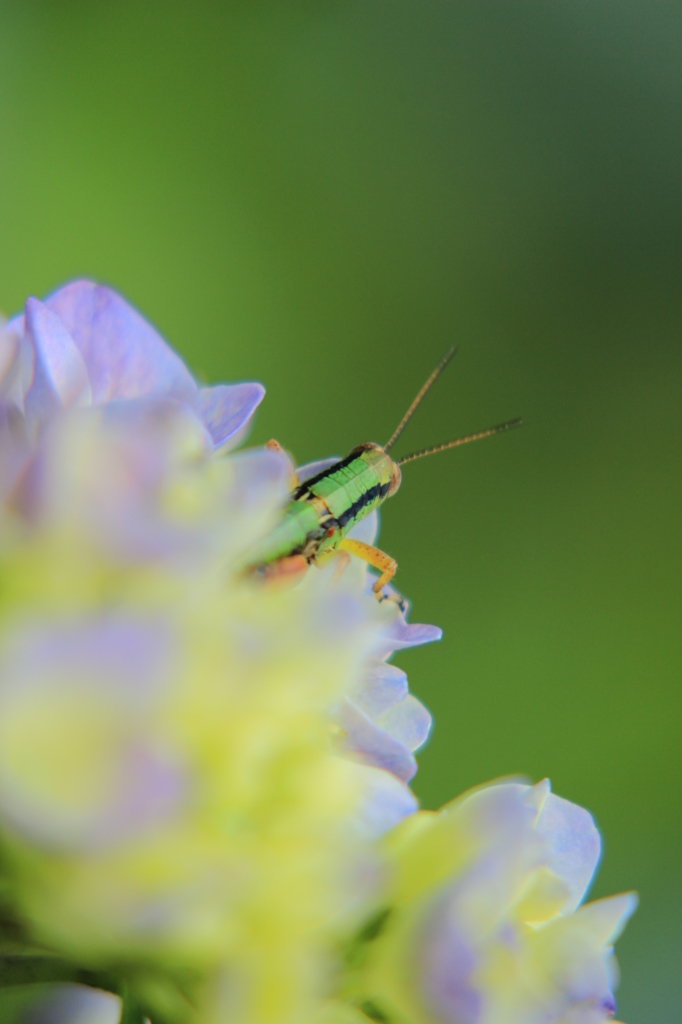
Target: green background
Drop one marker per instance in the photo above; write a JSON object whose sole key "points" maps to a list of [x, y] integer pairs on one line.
{"points": [[324, 196]]}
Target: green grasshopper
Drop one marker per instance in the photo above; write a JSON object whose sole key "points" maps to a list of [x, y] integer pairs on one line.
{"points": [[325, 508]]}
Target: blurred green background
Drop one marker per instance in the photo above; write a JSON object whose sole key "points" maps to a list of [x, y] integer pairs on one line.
{"points": [[324, 196]]}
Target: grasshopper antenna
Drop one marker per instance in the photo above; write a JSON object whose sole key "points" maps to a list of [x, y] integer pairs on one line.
{"points": [[499, 429], [451, 352]]}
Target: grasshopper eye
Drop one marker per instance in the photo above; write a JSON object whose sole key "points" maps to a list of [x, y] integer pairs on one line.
{"points": [[396, 480]]}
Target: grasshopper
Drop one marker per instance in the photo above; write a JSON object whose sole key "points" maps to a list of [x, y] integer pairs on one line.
{"points": [[324, 508]]}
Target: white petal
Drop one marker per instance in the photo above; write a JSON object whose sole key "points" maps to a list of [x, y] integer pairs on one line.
{"points": [[607, 918]]}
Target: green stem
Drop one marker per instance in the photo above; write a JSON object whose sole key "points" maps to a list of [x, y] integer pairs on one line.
{"points": [[132, 1012]]}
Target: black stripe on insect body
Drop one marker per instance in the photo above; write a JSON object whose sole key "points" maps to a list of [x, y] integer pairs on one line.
{"points": [[303, 489], [370, 495]]}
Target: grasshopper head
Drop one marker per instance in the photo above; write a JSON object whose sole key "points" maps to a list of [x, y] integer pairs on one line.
{"points": [[383, 465], [396, 476]]}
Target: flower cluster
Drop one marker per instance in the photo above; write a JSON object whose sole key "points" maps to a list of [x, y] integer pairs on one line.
{"points": [[204, 804]]}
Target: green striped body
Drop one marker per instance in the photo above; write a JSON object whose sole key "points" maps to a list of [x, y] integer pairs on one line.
{"points": [[326, 507]]}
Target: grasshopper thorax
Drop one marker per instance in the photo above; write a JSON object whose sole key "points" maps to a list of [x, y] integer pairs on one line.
{"points": [[381, 462]]}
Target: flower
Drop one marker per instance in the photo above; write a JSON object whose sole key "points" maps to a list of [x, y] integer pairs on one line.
{"points": [[204, 780], [168, 791], [85, 346], [170, 800], [484, 923]]}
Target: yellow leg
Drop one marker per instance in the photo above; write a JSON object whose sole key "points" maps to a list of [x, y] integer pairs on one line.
{"points": [[275, 446], [375, 558]]}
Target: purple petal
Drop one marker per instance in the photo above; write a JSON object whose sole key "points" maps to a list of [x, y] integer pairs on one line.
{"points": [[498, 815], [401, 635], [447, 963], [60, 377], [573, 845], [124, 355], [227, 409], [368, 743], [408, 722], [385, 802], [382, 687]]}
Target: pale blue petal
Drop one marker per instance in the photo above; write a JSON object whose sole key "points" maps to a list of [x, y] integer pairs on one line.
{"points": [[408, 722], [367, 529], [573, 845], [401, 635], [60, 377], [369, 744], [385, 802], [311, 469], [227, 408], [124, 355], [447, 961], [383, 686]]}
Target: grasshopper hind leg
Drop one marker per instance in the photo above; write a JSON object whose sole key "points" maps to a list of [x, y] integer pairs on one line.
{"points": [[378, 560]]}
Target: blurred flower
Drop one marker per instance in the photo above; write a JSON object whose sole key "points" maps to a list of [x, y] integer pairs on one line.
{"points": [[203, 780], [484, 925], [168, 791], [86, 346], [170, 800]]}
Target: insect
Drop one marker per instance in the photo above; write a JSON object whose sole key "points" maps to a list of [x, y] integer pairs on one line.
{"points": [[324, 508]]}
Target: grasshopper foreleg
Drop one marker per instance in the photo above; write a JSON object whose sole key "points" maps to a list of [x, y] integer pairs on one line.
{"points": [[378, 560]]}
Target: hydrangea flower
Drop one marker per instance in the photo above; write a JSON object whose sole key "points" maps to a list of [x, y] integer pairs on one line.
{"points": [[204, 780], [85, 346], [169, 792], [484, 923]]}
